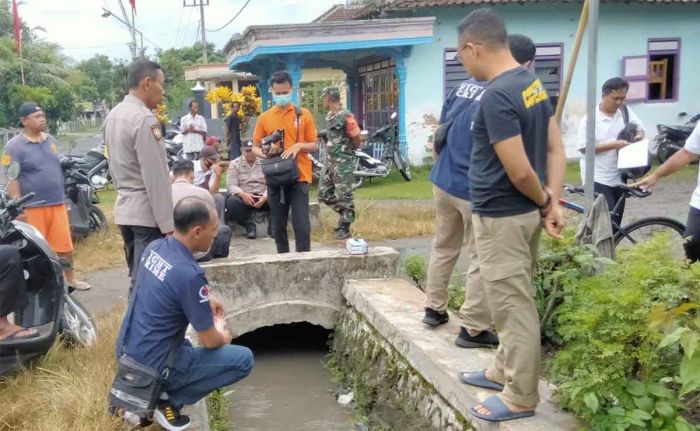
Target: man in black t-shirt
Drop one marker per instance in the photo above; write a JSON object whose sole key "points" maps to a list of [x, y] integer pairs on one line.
{"points": [[517, 171]]}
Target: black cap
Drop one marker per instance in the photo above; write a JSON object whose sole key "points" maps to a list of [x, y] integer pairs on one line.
{"points": [[209, 153], [247, 146], [28, 108]]}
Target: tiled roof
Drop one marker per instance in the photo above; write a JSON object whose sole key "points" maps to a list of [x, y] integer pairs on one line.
{"points": [[417, 4], [341, 12]]}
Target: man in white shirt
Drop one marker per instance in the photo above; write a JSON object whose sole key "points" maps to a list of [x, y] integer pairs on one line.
{"points": [[609, 122], [688, 154], [208, 171], [194, 131]]}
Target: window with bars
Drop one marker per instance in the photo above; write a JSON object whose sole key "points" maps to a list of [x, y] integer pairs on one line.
{"points": [[547, 66]]}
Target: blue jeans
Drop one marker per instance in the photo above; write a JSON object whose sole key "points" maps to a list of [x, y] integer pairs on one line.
{"points": [[211, 369]]}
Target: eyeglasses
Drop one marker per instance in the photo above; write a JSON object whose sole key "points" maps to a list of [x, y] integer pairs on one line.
{"points": [[458, 58]]}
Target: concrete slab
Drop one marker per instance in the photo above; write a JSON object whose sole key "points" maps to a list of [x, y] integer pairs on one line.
{"points": [[266, 290], [394, 307]]}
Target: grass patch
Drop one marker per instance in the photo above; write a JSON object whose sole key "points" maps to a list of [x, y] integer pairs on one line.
{"points": [[66, 389], [217, 407], [378, 221], [395, 186], [98, 251]]}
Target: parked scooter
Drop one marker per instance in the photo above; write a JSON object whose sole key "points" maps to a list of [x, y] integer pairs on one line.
{"points": [[672, 138], [85, 217], [374, 158], [95, 166], [51, 309]]}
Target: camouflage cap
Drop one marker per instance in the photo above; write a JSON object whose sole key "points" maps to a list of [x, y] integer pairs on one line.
{"points": [[331, 91]]}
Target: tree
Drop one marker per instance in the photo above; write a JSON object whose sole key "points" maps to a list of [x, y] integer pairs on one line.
{"points": [[99, 71], [173, 61]]}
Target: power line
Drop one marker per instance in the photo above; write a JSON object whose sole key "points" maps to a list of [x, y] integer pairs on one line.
{"points": [[231, 20]]}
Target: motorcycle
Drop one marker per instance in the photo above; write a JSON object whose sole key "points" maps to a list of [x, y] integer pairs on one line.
{"points": [[51, 309], [95, 166], [672, 138], [174, 151], [374, 158], [85, 217]]}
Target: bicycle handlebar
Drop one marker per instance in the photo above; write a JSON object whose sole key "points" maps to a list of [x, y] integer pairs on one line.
{"points": [[631, 191]]}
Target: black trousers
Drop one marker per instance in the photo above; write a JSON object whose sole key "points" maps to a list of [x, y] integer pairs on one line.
{"points": [[612, 195], [692, 231], [136, 239], [239, 211], [281, 200], [13, 289]]}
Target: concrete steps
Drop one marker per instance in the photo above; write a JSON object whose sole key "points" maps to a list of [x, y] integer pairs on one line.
{"points": [[394, 307]]}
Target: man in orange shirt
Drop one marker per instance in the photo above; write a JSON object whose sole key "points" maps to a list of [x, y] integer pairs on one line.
{"points": [[298, 141]]}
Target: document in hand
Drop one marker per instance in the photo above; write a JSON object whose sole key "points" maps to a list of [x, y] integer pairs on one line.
{"points": [[634, 155]]}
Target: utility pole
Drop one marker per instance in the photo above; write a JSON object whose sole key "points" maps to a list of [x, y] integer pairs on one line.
{"points": [[200, 4], [134, 47]]}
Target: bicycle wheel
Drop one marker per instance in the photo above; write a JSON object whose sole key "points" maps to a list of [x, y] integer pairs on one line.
{"points": [[645, 229]]}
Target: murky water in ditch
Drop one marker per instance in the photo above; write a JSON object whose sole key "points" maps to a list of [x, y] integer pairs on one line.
{"points": [[289, 388]]}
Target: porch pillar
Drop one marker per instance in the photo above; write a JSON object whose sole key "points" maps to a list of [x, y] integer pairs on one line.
{"points": [[294, 69], [352, 84], [401, 77], [264, 89]]}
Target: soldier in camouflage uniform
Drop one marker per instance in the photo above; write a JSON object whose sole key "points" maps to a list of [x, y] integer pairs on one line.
{"points": [[337, 177]]}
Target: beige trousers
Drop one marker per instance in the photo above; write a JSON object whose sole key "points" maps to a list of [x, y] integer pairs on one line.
{"points": [[507, 251], [453, 230]]}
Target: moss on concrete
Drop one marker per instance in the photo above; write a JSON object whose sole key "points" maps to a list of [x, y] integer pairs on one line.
{"points": [[389, 393]]}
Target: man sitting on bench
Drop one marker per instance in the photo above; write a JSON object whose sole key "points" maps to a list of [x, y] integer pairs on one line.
{"points": [[248, 191]]}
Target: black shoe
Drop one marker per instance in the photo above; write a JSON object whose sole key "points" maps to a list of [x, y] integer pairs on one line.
{"points": [[435, 318], [168, 416], [343, 231], [484, 339], [251, 231]]}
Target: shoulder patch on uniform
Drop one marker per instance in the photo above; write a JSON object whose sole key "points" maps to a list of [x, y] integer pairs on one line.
{"points": [[6, 160], [204, 294], [157, 133]]}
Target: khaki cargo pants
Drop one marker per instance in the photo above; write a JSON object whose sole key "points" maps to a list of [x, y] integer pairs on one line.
{"points": [[507, 249], [453, 230]]}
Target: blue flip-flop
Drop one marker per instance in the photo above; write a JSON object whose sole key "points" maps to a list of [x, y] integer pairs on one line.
{"points": [[479, 379], [499, 411]]}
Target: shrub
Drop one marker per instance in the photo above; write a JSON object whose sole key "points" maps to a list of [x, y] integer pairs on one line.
{"points": [[417, 269], [611, 370]]}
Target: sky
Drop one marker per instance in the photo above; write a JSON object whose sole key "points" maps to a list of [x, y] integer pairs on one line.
{"points": [[77, 25]]}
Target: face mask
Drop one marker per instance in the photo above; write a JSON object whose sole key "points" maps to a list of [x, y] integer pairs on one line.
{"points": [[282, 99]]}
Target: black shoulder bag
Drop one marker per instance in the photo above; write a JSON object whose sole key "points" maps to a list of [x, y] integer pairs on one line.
{"points": [[280, 172], [137, 388]]}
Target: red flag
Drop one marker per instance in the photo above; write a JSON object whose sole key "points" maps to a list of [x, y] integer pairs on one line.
{"points": [[133, 5], [18, 28]]}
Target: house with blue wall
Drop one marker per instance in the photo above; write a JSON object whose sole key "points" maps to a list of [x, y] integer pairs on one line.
{"points": [[398, 55]]}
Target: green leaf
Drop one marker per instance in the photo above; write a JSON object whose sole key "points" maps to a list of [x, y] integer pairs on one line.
{"points": [[682, 425], [616, 411], [637, 388], [642, 415], [673, 337], [689, 341], [690, 374], [644, 403], [660, 390], [664, 409], [591, 401]]}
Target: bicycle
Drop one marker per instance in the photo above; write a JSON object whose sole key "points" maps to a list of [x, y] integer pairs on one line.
{"points": [[637, 231]]}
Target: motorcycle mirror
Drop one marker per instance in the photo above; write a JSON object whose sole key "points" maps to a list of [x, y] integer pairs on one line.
{"points": [[394, 116], [13, 171]]}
